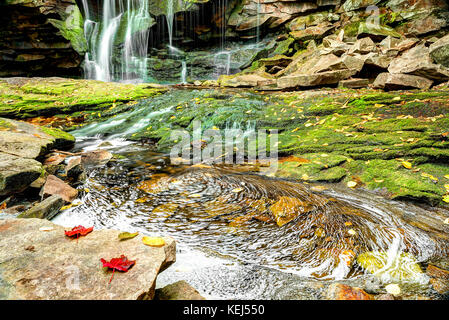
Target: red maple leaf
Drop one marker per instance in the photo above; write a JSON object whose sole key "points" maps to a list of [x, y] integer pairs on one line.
{"points": [[78, 231], [120, 264]]}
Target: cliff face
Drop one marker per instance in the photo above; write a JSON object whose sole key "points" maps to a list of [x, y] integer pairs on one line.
{"points": [[45, 37], [40, 38]]}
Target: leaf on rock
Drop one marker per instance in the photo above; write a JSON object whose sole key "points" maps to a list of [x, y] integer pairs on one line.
{"points": [[153, 241], [127, 235], [120, 264], [78, 231], [406, 164]]}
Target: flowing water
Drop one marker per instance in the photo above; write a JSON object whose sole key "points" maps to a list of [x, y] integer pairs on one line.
{"points": [[241, 234], [118, 44]]}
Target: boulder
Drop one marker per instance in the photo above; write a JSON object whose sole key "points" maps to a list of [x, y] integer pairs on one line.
{"points": [[439, 51], [47, 265], [354, 83], [55, 186], [96, 157], [180, 290], [74, 168], [243, 80], [46, 209], [417, 61], [376, 31], [351, 5], [313, 33], [26, 140], [339, 291], [363, 46], [16, 173], [312, 80], [388, 81]]}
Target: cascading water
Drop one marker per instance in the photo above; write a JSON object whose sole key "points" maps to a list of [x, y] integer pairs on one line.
{"points": [[118, 44]]}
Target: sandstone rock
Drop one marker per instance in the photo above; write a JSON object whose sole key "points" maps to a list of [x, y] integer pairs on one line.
{"points": [[46, 209], [378, 60], [244, 80], [180, 290], [354, 83], [363, 46], [318, 79], [97, 157], [74, 168], [439, 51], [417, 61], [17, 173], [315, 33], [389, 81], [29, 141], [338, 291], [55, 186], [376, 31], [436, 272], [58, 267]]}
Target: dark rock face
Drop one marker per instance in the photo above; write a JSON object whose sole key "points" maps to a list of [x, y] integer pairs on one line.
{"points": [[35, 39]]}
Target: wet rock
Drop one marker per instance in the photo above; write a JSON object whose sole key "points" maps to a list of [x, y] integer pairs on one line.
{"points": [[439, 51], [17, 173], [46, 209], [180, 290], [439, 279], [244, 80], [287, 209], [74, 168], [338, 291], [417, 61], [55, 186], [390, 81], [63, 268], [385, 296], [97, 157], [403, 267]]}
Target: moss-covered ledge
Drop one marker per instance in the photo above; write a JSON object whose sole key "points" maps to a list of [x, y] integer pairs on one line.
{"points": [[22, 98]]}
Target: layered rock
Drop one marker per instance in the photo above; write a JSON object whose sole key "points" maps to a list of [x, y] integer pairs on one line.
{"points": [[40, 38]]}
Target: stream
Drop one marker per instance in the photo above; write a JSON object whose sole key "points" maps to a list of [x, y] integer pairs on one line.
{"points": [[242, 235]]}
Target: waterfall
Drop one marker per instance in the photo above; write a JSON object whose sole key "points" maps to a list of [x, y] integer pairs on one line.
{"points": [[118, 44], [184, 73], [170, 21]]}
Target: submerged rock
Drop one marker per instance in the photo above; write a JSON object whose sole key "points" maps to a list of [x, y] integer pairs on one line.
{"points": [[402, 267], [180, 290], [37, 264], [339, 291]]}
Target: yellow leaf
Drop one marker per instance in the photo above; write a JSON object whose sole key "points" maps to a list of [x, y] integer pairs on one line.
{"points": [[237, 190], [127, 235], [393, 289], [446, 198], [195, 195], [153, 241], [406, 164], [352, 184], [352, 232], [446, 186], [446, 176], [446, 221], [348, 223]]}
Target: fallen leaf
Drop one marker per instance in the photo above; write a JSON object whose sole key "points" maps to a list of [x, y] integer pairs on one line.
{"points": [[127, 235], [351, 184], [237, 190], [78, 231], [393, 289], [406, 164], [352, 232], [153, 241], [446, 198], [121, 264]]}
